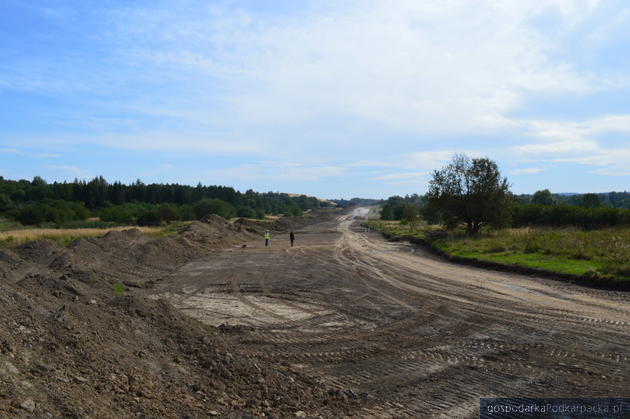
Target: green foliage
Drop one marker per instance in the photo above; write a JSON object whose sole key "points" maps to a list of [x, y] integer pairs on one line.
{"points": [[543, 197], [470, 191], [186, 213], [123, 214], [387, 212], [409, 213], [590, 200], [55, 211], [295, 212], [119, 289], [6, 225], [569, 250], [149, 218], [567, 215], [169, 212], [5, 202], [206, 207], [245, 212], [123, 204]]}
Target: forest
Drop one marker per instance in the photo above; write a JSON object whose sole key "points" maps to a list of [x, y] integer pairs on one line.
{"points": [[37, 202]]}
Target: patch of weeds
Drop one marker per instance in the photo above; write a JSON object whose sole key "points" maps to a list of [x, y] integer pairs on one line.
{"points": [[119, 289]]}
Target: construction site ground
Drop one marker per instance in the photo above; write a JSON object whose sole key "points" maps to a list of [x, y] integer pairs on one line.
{"points": [[397, 332]]}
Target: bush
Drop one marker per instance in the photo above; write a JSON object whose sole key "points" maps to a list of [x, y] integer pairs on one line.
{"points": [[149, 218], [122, 214], [53, 211], [295, 212], [245, 212], [169, 212], [186, 213], [206, 207], [567, 215]]}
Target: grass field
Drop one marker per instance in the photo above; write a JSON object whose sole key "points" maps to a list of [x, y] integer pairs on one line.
{"points": [[604, 252]]}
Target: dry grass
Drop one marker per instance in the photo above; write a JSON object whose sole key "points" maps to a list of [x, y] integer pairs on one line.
{"points": [[63, 236]]}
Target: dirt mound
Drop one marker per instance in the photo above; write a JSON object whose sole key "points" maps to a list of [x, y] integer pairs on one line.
{"points": [[88, 353], [257, 227], [71, 345], [128, 256], [316, 216]]}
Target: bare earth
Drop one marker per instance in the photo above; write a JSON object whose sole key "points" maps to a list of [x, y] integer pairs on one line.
{"points": [[403, 333]]}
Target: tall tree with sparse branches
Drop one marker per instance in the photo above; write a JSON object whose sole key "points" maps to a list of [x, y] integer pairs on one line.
{"points": [[470, 191]]}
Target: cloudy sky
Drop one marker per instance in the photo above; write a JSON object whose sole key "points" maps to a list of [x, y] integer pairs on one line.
{"points": [[325, 97]]}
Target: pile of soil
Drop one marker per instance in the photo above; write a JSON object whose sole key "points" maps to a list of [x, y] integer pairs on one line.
{"points": [[72, 345], [286, 223]]}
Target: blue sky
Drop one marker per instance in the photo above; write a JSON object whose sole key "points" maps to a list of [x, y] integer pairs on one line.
{"points": [[329, 98]]}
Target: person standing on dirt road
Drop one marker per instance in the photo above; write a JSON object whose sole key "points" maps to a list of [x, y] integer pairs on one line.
{"points": [[292, 237], [267, 237]]}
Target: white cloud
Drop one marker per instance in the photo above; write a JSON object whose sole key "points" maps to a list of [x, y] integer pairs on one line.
{"points": [[421, 66], [618, 170], [429, 66], [178, 142], [527, 171], [272, 171], [581, 142], [73, 170], [29, 153], [370, 163], [402, 175]]}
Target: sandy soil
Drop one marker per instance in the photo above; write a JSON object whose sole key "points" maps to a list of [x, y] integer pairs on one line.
{"points": [[398, 331]]}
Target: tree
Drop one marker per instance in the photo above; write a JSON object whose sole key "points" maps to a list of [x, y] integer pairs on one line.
{"points": [[168, 212], [543, 197], [206, 207], [470, 191], [149, 218], [409, 213], [387, 213], [590, 200], [245, 212], [294, 211]]}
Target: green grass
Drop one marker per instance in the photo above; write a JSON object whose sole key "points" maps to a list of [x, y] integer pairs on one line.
{"points": [[7, 225], [604, 252], [536, 260]]}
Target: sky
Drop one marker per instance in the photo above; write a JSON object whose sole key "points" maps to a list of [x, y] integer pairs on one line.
{"points": [[330, 98]]}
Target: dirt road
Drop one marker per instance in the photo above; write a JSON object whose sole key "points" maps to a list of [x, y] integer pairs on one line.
{"points": [[405, 333]]}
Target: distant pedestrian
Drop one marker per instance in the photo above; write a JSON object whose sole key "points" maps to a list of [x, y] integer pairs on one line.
{"points": [[292, 237], [267, 237]]}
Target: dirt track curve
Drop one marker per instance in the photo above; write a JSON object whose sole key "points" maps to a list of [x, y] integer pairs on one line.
{"points": [[408, 334]]}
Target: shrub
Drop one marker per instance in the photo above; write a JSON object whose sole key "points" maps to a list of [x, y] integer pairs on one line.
{"points": [[186, 213], [245, 212], [206, 207], [169, 212], [295, 212], [568, 215], [149, 218]]}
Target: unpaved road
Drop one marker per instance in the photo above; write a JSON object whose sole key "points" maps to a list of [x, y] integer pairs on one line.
{"points": [[411, 335]]}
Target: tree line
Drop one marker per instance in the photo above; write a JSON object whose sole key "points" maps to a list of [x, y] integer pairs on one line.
{"points": [[37, 201], [472, 193]]}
